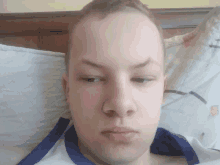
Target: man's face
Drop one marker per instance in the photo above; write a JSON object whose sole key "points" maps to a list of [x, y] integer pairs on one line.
{"points": [[118, 94]]}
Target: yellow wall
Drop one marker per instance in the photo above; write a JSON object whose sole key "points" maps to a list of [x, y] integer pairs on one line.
{"points": [[7, 6], [181, 3]]}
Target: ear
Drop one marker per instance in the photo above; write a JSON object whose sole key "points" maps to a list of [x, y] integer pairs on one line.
{"points": [[65, 85]]}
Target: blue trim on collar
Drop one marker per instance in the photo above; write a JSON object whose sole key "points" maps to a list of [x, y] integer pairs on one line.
{"points": [[165, 143], [170, 144], [71, 144], [44, 147]]}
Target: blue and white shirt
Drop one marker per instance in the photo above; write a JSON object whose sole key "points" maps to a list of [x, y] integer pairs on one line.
{"points": [[61, 147]]}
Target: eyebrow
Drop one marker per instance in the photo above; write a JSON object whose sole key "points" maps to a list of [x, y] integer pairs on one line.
{"points": [[141, 65]]}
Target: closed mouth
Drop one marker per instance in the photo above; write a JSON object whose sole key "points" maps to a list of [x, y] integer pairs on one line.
{"points": [[119, 130]]}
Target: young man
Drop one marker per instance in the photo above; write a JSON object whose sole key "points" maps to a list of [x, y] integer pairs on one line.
{"points": [[114, 85]]}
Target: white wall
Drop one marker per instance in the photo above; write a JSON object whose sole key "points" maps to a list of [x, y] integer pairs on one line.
{"points": [[14, 6]]}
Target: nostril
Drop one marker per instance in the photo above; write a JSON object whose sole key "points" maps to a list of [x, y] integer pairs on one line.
{"points": [[110, 113], [130, 112]]}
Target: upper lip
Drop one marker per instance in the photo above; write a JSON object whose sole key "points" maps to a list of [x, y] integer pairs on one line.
{"points": [[119, 130]]}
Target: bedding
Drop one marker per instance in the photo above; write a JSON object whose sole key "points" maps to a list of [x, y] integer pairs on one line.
{"points": [[32, 99], [192, 98]]}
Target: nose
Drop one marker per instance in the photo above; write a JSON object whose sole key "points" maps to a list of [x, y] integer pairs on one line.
{"points": [[120, 101]]}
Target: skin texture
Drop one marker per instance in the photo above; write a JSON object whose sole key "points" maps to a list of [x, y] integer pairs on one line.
{"points": [[116, 97]]}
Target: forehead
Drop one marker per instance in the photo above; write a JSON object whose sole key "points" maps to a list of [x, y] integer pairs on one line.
{"points": [[128, 32], [129, 16]]}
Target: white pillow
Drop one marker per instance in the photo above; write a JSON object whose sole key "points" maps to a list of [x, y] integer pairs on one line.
{"points": [[193, 66], [31, 97]]}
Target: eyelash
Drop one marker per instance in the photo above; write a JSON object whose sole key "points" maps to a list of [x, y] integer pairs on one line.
{"points": [[85, 79]]}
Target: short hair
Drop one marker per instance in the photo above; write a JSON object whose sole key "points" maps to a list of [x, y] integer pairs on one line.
{"points": [[106, 7]]}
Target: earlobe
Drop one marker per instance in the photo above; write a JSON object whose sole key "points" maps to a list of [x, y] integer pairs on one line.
{"points": [[64, 81], [64, 76], [65, 85]]}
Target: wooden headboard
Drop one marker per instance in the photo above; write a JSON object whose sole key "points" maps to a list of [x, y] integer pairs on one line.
{"points": [[49, 30]]}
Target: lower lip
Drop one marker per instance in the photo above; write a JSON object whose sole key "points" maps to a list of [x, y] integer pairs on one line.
{"points": [[121, 137]]}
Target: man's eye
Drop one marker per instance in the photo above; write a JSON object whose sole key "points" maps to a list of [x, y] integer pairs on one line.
{"points": [[91, 80], [141, 80]]}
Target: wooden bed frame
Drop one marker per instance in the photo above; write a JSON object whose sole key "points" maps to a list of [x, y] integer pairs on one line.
{"points": [[49, 30]]}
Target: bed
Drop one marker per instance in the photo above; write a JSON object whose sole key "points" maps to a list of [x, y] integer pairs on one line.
{"points": [[32, 100]]}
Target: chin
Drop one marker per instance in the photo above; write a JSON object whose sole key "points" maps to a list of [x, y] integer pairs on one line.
{"points": [[117, 158], [120, 154]]}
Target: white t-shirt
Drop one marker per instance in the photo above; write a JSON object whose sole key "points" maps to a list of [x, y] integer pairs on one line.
{"points": [[57, 148]]}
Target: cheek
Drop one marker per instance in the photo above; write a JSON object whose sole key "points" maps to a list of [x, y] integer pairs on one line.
{"points": [[149, 101], [151, 96], [90, 97], [86, 102]]}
